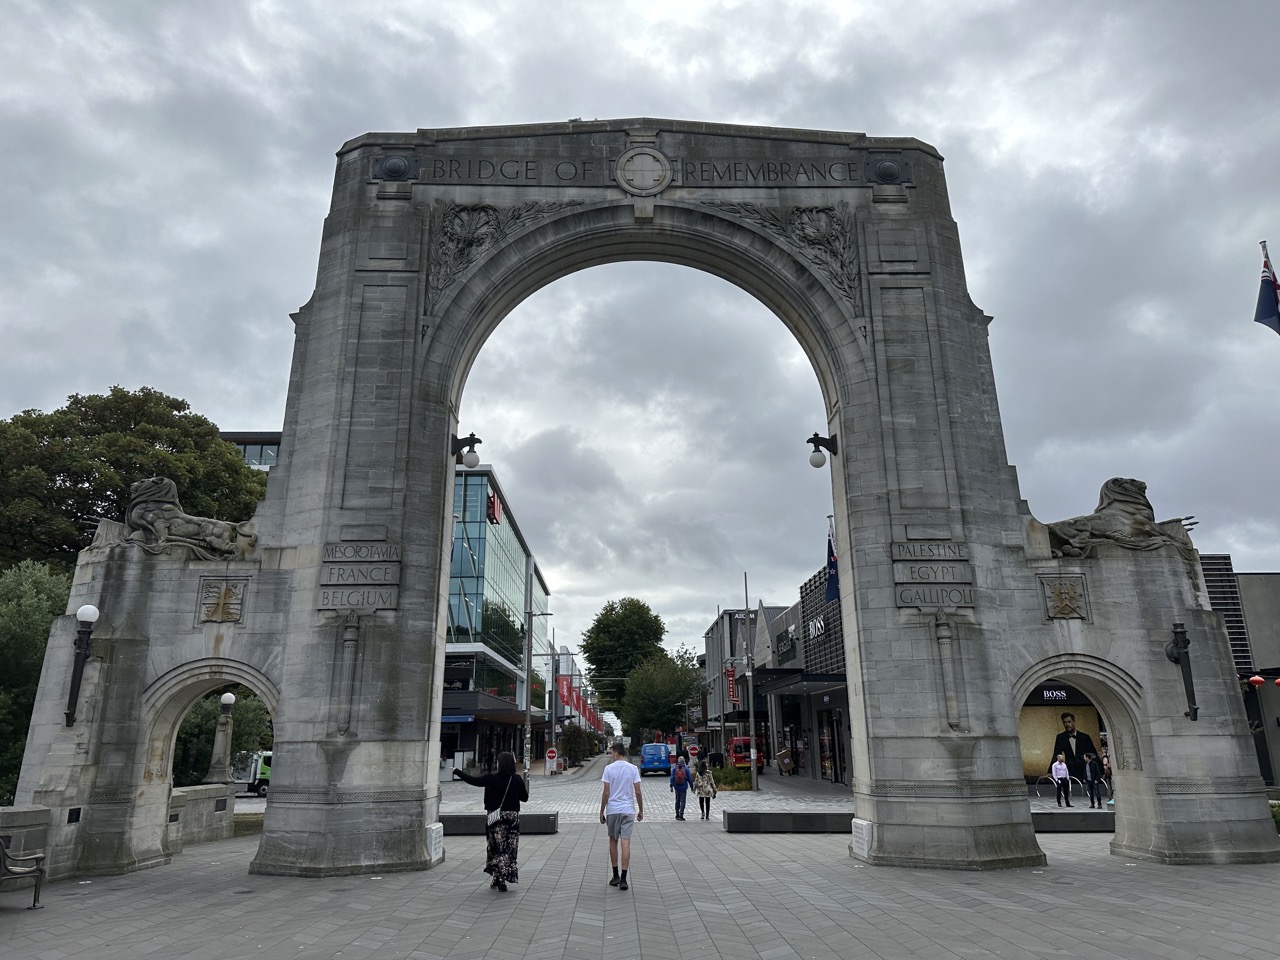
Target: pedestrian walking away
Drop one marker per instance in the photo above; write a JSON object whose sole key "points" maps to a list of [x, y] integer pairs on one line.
{"points": [[504, 791], [621, 808], [1093, 780], [681, 781], [1061, 778], [704, 785]]}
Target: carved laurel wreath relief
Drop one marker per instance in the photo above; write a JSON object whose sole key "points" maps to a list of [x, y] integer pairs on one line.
{"points": [[825, 236], [461, 233]]}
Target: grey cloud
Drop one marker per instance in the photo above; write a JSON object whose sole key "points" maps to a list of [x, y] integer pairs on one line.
{"points": [[167, 172]]}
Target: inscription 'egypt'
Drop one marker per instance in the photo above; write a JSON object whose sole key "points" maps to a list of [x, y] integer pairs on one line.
{"points": [[960, 572]]}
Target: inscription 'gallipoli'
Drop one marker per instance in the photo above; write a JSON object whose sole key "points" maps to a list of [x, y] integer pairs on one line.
{"points": [[929, 597]]}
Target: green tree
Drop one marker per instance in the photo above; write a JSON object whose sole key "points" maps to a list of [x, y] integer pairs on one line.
{"points": [[31, 596], [193, 749], [575, 743], [624, 634], [660, 691], [60, 471]]}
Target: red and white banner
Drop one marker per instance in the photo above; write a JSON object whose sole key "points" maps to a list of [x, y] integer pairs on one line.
{"points": [[564, 687], [733, 684]]}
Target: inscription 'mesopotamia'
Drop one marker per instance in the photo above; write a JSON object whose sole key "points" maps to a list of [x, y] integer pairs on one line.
{"points": [[361, 551]]}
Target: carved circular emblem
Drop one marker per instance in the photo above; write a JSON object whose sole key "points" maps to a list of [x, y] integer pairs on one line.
{"points": [[643, 172], [395, 168], [888, 171]]}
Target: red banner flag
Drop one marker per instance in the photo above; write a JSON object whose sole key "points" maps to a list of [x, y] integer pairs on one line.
{"points": [[565, 689]]}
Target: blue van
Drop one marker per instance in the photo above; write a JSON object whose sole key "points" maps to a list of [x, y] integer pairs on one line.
{"points": [[655, 758]]}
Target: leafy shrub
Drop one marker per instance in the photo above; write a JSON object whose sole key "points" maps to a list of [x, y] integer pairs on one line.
{"points": [[1275, 815], [731, 778]]}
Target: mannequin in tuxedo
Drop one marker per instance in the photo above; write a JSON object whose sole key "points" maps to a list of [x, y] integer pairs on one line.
{"points": [[1073, 744]]}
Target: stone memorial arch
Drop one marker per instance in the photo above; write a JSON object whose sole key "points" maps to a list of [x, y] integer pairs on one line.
{"points": [[332, 603]]}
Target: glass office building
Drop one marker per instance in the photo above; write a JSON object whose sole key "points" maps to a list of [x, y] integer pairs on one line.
{"points": [[260, 450], [493, 582]]}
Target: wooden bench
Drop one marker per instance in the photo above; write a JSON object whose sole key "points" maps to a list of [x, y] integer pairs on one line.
{"points": [[22, 868]]}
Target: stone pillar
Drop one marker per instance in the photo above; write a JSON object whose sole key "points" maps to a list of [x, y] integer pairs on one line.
{"points": [[220, 764]]}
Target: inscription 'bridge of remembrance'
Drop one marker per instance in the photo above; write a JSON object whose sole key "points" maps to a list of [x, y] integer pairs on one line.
{"points": [[961, 602]]}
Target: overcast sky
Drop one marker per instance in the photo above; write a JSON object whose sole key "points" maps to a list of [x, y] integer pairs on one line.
{"points": [[167, 167]]}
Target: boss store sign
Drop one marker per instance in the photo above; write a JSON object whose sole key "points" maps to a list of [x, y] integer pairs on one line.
{"points": [[1056, 694]]}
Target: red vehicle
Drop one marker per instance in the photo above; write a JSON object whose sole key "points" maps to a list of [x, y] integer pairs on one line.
{"points": [[740, 753]]}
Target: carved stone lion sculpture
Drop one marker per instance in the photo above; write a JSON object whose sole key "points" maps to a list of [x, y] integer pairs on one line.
{"points": [[1123, 517], [158, 524]]}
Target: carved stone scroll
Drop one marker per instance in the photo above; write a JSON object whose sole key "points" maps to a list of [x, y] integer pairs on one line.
{"points": [[943, 634], [347, 677]]}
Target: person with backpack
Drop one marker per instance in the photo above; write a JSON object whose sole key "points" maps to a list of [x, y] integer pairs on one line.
{"points": [[680, 783]]}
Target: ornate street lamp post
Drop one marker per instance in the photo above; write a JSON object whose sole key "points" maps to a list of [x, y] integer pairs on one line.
{"points": [[87, 617]]}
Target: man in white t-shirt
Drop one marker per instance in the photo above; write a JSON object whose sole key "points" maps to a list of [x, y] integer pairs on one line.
{"points": [[621, 807]]}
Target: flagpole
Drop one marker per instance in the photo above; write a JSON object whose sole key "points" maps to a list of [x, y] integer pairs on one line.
{"points": [[751, 690]]}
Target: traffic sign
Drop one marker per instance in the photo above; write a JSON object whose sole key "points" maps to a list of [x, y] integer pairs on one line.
{"points": [[551, 755], [693, 751]]}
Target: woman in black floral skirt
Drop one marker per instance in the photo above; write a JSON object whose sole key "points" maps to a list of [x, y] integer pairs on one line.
{"points": [[504, 791]]}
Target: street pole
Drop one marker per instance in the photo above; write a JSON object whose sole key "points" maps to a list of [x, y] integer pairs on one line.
{"points": [[554, 691], [751, 690], [528, 663]]}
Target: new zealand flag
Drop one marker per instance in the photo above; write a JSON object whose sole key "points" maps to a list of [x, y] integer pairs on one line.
{"points": [[1268, 312], [833, 576]]}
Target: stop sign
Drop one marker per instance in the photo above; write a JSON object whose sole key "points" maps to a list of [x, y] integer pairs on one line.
{"points": [[551, 755], [693, 750]]}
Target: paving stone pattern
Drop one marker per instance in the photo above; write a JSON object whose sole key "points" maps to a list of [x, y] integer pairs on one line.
{"points": [[696, 892]]}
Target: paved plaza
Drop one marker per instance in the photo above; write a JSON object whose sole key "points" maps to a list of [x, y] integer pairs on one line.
{"points": [[696, 892]]}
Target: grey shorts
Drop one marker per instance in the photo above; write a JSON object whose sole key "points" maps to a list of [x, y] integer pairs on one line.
{"points": [[620, 825]]}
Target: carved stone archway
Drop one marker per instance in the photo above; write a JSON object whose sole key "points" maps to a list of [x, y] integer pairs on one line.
{"points": [[432, 238]]}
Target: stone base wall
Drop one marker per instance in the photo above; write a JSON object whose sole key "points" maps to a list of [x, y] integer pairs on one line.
{"points": [[205, 813]]}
